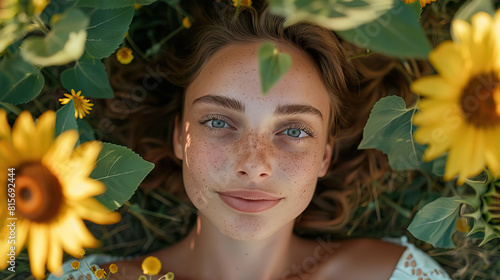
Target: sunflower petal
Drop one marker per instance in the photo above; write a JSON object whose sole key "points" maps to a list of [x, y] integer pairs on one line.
{"points": [[482, 43], [92, 210], [83, 188], [45, 131], [62, 148], [437, 87], [5, 133], [449, 62], [22, 136], [38, 249], [54, 263]]}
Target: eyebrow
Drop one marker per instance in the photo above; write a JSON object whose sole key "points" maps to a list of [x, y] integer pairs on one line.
{"points": [[223, 101], [294, 109], [233, 104]]}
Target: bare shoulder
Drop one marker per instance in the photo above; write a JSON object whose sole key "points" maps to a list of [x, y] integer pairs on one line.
{"points": [[363, 259]]}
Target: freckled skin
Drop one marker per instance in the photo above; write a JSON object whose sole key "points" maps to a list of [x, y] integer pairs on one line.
{"points": [[254, 152]]}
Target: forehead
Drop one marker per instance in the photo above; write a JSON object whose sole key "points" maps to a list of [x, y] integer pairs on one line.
{"points": [[233, 71]]}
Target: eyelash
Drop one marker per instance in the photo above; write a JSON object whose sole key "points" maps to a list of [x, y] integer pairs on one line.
{"points": [[208, 118], [301, 127]]}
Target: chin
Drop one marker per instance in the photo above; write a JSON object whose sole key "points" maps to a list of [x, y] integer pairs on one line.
{"points": [[246, 227]]}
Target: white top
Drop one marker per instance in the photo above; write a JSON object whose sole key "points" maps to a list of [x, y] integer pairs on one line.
{"points": [[414, 264]]}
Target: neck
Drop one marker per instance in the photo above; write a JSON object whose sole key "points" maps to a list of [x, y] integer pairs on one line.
{"points": [[218, 256]]}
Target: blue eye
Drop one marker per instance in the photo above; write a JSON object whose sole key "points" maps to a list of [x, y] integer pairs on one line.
{"points": [[293, 132], [218, 123]]}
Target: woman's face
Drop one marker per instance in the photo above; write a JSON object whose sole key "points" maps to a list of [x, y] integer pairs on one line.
{"points": [[251, 162]]}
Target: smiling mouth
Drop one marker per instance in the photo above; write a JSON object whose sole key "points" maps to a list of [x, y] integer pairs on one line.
{"points": [[249, 201]]}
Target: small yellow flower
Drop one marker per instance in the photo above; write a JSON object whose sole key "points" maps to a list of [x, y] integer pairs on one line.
{"points": [[75, 265], [113, 268], [186, 23], [82, 105], [93, 268], [142, 277], [137, 6], [248, 3], [124, 55], [151, 265], [422, 2], [39, 5], [100, 274]]}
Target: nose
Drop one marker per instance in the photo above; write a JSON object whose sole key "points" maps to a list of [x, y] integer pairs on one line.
{"points": [[254, 158]]}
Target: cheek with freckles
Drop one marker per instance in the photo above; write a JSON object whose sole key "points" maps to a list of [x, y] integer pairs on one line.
{"points": [[205, 172]]}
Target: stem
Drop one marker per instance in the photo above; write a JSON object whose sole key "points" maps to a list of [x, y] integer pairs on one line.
{"points": [[136, 48], [41, 24], [164, 40]]}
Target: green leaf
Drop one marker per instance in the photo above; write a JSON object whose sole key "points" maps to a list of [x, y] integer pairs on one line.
{"points": [[122, 171], [468, 9], [89, 76], [20, 81], [65, 118], [395, 33], [335, 15], [107, 30], [112, 4], [85, 130], [272, 66], [389, 129], [64, 43], [436, 222]]}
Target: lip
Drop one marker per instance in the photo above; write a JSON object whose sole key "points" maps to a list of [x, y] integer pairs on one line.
{"points": [[249, 201]]}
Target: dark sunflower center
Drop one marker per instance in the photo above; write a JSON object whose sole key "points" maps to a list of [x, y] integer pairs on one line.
{"points": [[38, 193], [480, 101]]}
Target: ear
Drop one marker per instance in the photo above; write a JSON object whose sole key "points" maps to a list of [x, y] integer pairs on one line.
{"points": [[327, 157], [177, 141]]}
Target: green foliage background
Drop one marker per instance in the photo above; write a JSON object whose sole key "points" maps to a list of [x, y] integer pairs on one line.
{"points": [[153, 219]]}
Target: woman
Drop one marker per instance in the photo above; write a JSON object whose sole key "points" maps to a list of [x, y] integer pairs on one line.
{"points": [[250, 163]]}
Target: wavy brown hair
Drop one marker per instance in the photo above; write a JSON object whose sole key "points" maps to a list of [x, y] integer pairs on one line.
{"points": [[354, 86]]}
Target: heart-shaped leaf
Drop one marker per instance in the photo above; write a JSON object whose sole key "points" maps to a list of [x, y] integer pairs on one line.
{"points": [[436, 222], [89, 76], [107, 29], [122, 171], [272, 66]]}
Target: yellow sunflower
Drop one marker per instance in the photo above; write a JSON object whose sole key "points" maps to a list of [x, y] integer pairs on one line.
{"points": [[422, 2], [460, 108], [82, 105], [53, 192]]}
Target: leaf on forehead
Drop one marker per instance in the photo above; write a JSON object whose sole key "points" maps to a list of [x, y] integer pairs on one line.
{"points": [[272, 66]]}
